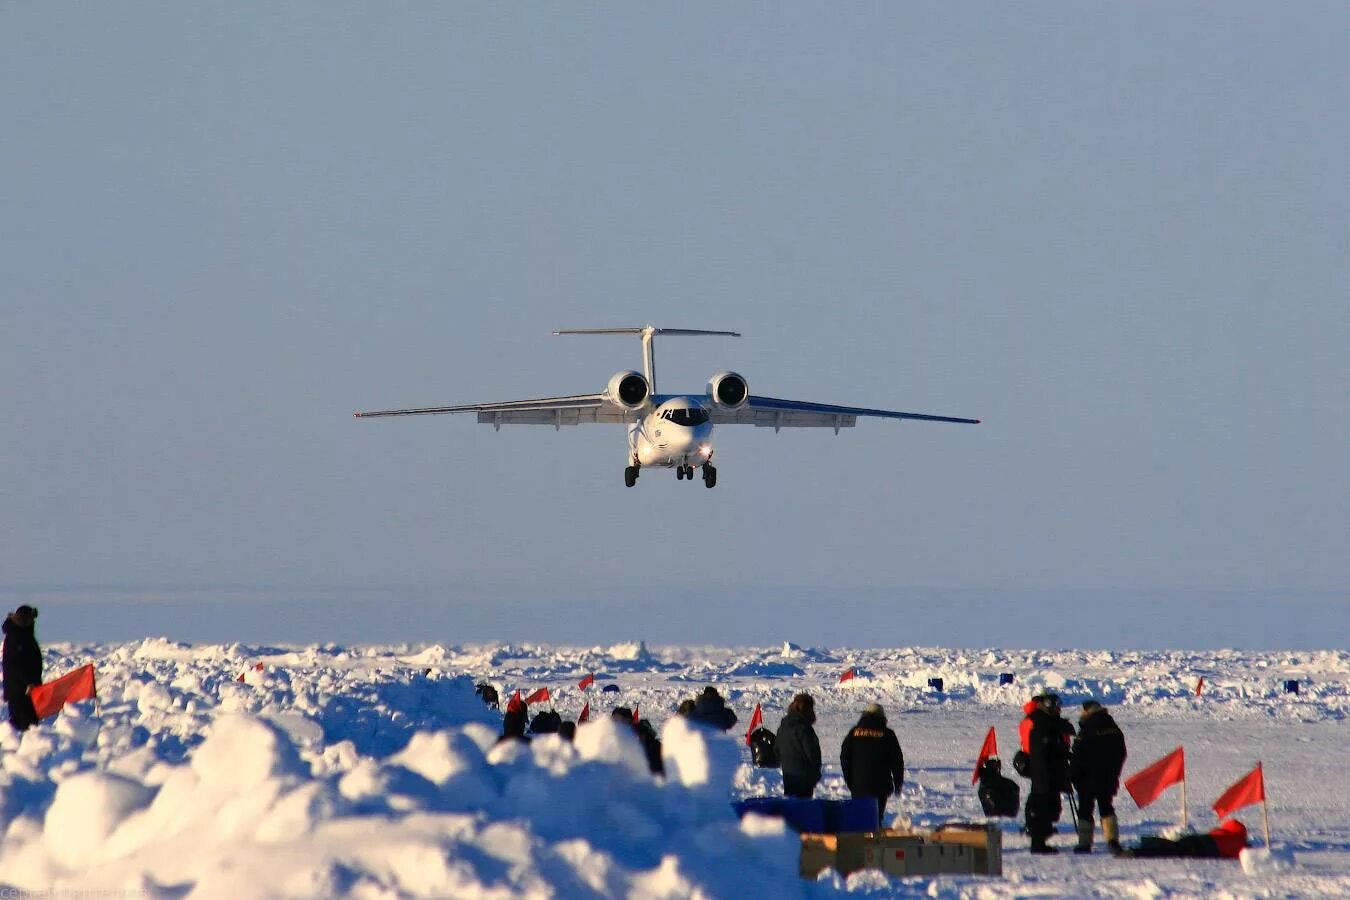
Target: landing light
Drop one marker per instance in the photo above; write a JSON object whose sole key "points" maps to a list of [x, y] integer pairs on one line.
{"points": [[705, 449]]}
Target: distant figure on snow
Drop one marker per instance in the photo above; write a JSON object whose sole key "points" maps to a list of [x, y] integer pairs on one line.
{"points": [[871, 759], [568, 731], [1098, 758], [646, 735], [1047, 747], [685, 709], [22, 666], [710, 709], [799, 748], [514, 721]]}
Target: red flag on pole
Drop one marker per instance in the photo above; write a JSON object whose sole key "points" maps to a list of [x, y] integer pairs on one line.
{"points": [[515, 702], [50, 697], [586, 682], [847, 676], [585, 713], [756, 720], [1199, 685], [636, 719], [1249, 789], [539, 696], [987, 749], [1145, 786]]}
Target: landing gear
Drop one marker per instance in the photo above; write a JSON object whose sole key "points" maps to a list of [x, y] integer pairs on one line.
{"points": [[709, 476], [679, 473], [683, 472], [630, 476]]}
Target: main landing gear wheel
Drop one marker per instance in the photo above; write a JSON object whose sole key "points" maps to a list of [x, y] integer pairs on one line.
{"points": [[679, 473], [630, 475], [709, 476]]}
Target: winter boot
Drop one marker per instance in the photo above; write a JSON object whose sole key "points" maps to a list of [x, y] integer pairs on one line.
{"points": [[1111, 830], [1038, 845], [1085, 828]]}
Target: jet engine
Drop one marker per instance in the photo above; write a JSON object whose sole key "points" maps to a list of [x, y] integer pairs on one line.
{"points": [[628, 389], [728, 390]]}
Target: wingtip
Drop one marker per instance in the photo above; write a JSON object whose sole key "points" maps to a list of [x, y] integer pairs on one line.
{"points": [[358, 415]]}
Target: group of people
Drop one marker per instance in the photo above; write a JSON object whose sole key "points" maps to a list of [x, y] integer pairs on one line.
{"points": [[1058, 761], [870, 756]]}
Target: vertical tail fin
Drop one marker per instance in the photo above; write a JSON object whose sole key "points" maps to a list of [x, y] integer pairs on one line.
{"points": [[647, 333]]}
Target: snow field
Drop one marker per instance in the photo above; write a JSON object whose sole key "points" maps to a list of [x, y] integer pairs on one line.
{"points": [[340, 771]]}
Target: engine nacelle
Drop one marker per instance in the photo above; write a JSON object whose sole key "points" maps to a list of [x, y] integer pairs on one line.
{"points": [[728, 390], [628, 389]]}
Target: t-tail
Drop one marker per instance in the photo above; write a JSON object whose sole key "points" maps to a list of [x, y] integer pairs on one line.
{"points": [[647, 333]]}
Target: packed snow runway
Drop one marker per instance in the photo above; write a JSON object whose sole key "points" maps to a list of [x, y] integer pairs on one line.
{"points": [[371, 771]]}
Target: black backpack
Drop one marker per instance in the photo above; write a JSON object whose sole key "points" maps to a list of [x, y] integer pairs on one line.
{"points": [[762, 749], [999, 796], [1022, 763]]}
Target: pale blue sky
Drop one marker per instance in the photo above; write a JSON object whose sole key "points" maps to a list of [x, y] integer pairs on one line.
{"points": [[1117, 233]]}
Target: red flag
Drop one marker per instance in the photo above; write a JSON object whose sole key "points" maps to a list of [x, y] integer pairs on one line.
{"points": [[1146, 786], [1199, 685], [635, 715], [258, 667], [1249, 789], [756, 720], [586, 682], [539, 696], [987, 749], [585, 713], [241, 677], [515, 702], [50, 697], [847, 676]]}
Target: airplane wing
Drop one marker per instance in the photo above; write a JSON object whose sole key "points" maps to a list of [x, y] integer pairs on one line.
{"points": [[555, 411], [770, 412]]}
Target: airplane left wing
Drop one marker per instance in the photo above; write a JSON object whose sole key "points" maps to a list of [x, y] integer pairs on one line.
{"points": [[555, 411], [771, 412]]}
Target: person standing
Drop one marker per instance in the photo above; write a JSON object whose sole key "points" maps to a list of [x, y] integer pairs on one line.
{"points": [[22, 666], [799, 748], [1098, 758], [873, 763], [1048, 767], [710, 709]]}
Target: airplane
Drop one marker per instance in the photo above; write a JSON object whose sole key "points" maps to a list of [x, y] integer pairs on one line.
{"points": [[670, 431]]}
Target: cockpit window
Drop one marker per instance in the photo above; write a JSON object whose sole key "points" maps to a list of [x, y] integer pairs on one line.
{"points": [[686, 417]]}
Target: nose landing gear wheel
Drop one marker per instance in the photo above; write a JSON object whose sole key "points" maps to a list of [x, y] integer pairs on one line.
{"points": [[709, 476], [630, 476]]}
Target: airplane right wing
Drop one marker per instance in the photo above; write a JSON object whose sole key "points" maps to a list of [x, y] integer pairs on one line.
{"points": [[555, 411], [771, 412]]}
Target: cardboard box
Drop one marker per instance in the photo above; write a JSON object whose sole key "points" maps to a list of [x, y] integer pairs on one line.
{"points": [[986, 840], [847, 852], [951, 850]]}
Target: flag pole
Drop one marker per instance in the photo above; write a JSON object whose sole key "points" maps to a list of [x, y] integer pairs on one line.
{"points": [[1265, 812], [1184, 823]]}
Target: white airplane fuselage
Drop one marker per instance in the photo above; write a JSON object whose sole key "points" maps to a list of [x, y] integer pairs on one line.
{"points": [[676, 432]]}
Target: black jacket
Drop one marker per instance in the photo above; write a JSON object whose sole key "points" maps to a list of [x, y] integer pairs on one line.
{"points": [[23, 659], [871, 759], [798, 755], [1098, 755], [711, 710], [1049, 765]]}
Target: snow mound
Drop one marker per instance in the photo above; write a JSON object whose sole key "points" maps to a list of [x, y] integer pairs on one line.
{"points": [[1265, 861]]}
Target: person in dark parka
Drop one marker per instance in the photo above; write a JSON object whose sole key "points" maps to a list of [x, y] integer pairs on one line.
{"points": [[1048, 748], [710, 709], [799, 748], [1098, 758], [871, 759], [22, 666]]}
